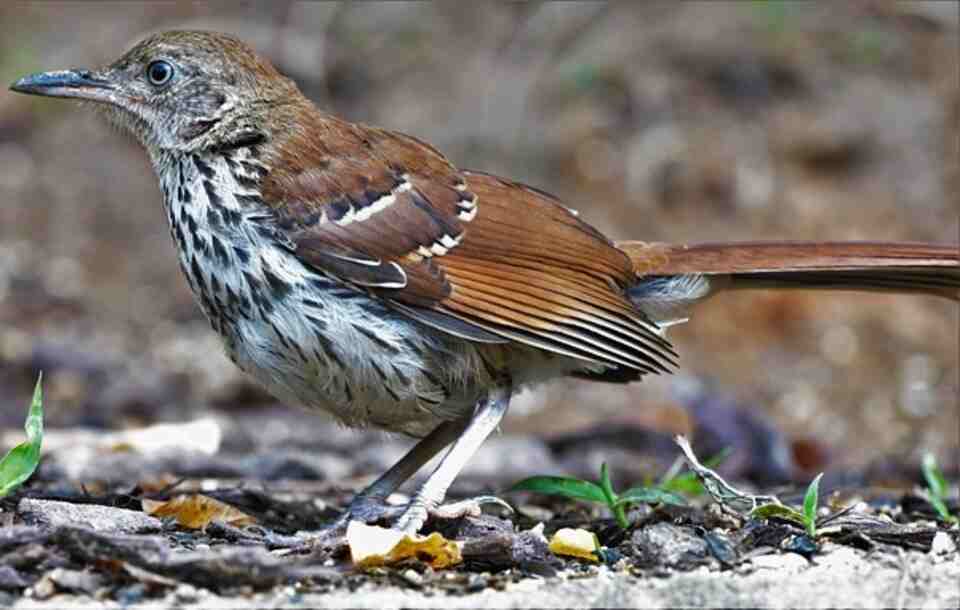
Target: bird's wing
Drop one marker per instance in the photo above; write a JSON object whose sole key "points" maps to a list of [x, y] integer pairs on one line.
{"points": [[465, 252]]}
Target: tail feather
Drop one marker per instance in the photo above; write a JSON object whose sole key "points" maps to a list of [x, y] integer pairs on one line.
{"points": [[875, 266]]}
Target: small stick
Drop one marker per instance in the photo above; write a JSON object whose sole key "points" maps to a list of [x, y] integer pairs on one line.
{"points": [[722, 492]]}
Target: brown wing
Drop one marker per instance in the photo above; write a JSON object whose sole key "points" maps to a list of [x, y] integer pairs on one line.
{"points": [[369, 206], [465, 252]]}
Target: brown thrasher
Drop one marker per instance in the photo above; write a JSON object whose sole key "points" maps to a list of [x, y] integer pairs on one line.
{"points": [[356, 270]]}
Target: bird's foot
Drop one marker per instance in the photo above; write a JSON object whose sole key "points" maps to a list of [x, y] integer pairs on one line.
{"points": [[418, 512], [408, 519]]}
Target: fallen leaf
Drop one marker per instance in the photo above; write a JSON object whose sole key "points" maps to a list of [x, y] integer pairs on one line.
{"points": [[372, 546], [197, 512], [575, 543]]}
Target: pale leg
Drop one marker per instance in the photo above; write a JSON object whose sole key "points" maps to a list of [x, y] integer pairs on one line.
{"points": [[369, 505], [486, 417]]}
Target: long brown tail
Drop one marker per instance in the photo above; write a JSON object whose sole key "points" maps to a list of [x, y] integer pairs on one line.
{"points": [[876, 266]]}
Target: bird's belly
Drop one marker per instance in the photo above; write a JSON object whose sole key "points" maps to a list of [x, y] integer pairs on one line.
{"points": [[343, 352]]}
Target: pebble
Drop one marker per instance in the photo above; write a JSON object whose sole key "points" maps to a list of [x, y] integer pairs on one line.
{"points": [[942, 544]]}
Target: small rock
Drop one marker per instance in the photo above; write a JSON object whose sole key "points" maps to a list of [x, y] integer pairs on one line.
{"points": [[942, 544], [43, 589], [75, 580], [664, 544], [782, 563], [51, 514], [10, 578], [413, 577]]}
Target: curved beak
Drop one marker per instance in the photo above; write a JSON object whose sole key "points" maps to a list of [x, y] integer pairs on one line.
{"points": [[82, 84]]}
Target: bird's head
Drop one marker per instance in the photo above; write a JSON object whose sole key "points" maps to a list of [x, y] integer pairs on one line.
{"points": [[180, 91]]}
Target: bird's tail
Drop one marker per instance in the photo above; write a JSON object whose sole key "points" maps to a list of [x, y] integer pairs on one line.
{"points": [[665, 271]]}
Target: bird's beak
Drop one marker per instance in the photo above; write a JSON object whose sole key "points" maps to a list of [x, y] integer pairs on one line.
{"points": [[82, 84]]}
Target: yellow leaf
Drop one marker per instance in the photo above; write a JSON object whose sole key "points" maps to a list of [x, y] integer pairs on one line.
{"points": [[575, 543], [197, 512], [372, 546]]}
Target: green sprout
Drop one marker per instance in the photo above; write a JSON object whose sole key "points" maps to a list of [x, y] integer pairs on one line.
{"points": [[600, 492], [936, 491], [807, 518], [21, 461]]}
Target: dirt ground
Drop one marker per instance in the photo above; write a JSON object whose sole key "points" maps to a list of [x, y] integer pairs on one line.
{"points": [[658, 121]]}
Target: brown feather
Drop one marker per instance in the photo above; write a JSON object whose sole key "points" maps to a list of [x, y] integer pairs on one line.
{"points": [[881, 266], [523, 268]]}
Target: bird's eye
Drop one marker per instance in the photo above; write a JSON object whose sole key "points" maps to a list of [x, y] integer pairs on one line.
{"points": [[159, 72]]}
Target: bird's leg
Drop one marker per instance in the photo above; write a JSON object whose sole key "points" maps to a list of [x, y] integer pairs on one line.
{"points": [[486, 417], [370, 504]]}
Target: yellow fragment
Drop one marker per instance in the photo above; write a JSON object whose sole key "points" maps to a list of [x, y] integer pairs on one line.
{"points": [[195, 511], [575, 543], [372, 546]]}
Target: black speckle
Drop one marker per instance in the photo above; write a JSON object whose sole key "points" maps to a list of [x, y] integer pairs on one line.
{"points": [[266, 232], [219, 250], [436, 382], [212, 195], [230, 296], [264, 305], [203, 167], [280, 335], [192, 225], [370, 196], [246, 181], [313, 303], [231, 216], [317, 322], [186, 196], [321, 283], [178, 234], [213, 217], [375, 338], [242, 254], [327, 347], [249, 200], [403, 378], [197, 274], [383, 378], [338, 209], [253, 168], [279, 287], [299, 350], [198, 243]]}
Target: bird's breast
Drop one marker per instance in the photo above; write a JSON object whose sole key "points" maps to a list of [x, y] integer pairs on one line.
{"points": [[307, 338]]}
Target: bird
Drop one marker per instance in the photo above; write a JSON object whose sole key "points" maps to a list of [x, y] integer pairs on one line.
{"points": [[356, 270]]}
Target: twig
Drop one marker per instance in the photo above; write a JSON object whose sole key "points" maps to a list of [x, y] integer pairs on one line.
{"points": [[722, 492]]}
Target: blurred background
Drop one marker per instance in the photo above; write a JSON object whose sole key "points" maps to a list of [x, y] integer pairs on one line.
{"points": [[669, 121]]}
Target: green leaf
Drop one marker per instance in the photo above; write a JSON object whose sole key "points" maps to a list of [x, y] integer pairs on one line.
{"points": [[21, 461], [935, 480], [686, 483], [767, 511], [611, 497], [649, 495], [941, 507], [606, 486], [562, 486], [810, 501]]}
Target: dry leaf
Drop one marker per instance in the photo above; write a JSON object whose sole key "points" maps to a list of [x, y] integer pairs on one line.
{"points": [[372, 546], [575, 543], [196, 511]]}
